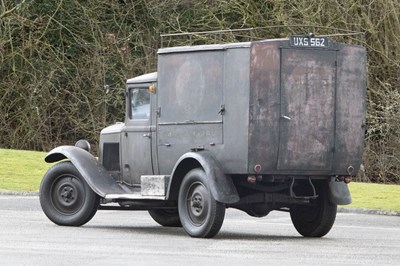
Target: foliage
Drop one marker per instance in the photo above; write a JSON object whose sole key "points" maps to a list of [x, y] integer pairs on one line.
{"points": [[64, 63]]}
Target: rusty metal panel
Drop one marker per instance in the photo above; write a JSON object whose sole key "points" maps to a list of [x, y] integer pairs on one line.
{"points": [[194, 135], [307, 118], [233, 154], [190, 86], [176, 140], [264, 106], [350, 115], [307, 108], [190, 100]]}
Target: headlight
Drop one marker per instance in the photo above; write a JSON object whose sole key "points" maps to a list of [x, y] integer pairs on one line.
{"points": [[83, 144]]}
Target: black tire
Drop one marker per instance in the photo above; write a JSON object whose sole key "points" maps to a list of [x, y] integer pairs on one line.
{"points": [[201, 215], [317, 219], [166, 217], [65, 197]]}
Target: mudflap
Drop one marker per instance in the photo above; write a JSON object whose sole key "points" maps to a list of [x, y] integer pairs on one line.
{"points": [[339, 193], [97, 177]]}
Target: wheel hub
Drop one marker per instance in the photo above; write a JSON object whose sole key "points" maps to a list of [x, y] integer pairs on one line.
{"points": [[197, 203], [67, 194]]}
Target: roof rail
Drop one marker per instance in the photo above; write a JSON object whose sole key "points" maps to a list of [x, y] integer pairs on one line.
{"points": [[253, 34]]}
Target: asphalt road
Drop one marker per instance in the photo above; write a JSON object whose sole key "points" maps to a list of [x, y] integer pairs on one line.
{"points": [[27, 237]]}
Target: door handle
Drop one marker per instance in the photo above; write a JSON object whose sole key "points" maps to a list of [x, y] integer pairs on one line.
{"points": [[286, 117], [147, 135]]}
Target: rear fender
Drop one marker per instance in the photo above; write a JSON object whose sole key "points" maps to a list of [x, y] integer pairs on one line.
{"points": [[221, 185], [97, 177]]}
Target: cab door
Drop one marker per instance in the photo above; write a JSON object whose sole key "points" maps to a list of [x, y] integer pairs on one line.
{"points": [[136, 139]]}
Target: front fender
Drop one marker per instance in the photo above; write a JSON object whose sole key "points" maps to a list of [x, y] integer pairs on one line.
{"points": [[97, 177], [221, 185]]}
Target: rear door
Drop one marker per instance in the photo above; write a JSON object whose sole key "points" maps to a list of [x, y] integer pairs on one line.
{"points": [[307, 115]]}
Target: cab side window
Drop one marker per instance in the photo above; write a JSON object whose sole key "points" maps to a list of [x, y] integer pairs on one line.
{"points": [[139, 99]]}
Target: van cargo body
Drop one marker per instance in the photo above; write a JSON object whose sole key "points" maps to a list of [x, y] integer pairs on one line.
{"points": [[293, 111]]}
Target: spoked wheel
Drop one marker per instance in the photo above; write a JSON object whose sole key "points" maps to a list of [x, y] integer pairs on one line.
{"points": [[65, 197], [200, 214], [316, 219], [166, 217]]}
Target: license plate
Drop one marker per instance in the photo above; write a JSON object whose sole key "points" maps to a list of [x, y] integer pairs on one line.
{"points": [[310, 42]]}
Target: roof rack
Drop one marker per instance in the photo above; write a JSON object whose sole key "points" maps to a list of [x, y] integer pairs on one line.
{"points": [[254, 34]]}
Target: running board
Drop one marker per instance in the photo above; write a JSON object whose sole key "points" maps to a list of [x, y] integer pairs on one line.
{"points": [[136, 196]]}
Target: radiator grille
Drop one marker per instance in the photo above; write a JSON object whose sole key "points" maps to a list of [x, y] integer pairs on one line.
{"points": [[111, 156]]}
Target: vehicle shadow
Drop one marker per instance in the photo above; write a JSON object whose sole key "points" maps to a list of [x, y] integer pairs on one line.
{"points": [[156, 230], [179, 232], [261, 237]]}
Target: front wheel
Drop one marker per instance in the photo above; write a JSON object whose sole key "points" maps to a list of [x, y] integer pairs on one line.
{"points": [[65, 197], [316, 219], [201, 215]]}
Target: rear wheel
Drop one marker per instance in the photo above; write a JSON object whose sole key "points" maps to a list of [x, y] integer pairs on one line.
{"points": [[201, 215], [65, 197], [166, 217], [316, 219]]}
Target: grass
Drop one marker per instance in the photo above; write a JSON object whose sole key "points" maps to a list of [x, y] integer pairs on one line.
{"points": [[375, 196], [23, 171]]}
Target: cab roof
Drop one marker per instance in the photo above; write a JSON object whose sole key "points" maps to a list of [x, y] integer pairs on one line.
{"points": [[146, 78]]}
